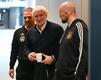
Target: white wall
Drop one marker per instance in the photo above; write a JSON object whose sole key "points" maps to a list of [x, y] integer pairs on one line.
{"points": [[85, 11], [5, 46]]}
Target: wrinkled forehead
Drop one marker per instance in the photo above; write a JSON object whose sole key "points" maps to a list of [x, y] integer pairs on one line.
{"points": [[39, 12]]}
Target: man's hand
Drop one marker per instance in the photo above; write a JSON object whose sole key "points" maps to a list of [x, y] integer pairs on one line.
{"points": [[32, 56], [47, 60], [11, 73]]}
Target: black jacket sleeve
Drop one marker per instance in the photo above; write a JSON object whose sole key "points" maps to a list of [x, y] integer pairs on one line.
{"points": [[14, 50], [27, 45], [59, 31], [82, 69]]}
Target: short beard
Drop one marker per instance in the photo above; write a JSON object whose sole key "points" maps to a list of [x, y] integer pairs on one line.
{"points": [[64, 21]]}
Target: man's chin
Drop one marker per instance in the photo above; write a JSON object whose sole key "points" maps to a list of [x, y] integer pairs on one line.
{"points": [[63, 21]]}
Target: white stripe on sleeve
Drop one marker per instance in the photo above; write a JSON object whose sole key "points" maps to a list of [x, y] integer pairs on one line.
{"points": [[80, 33]]}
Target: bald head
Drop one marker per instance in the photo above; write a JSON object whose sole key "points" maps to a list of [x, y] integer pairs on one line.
{"points": [[68, 6], [67, 12]]}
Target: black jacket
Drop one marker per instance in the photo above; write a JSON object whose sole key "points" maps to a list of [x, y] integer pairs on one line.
{"points": [[17, 50], [73, 53], [46, 42]]}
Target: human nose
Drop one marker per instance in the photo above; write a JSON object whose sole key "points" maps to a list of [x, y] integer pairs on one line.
{"points": [[38, 17], [27, 19]]}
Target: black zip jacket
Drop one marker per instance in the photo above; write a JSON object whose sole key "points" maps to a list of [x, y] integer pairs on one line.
{"points": [[73, 53], [17, 50]]}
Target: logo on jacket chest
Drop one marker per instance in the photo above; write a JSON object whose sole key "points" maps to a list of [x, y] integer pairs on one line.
{"points": [[69, 35], [22, 37]]}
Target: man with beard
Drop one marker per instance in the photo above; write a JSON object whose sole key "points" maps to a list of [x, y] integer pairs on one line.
{"points": [[72, 63]]}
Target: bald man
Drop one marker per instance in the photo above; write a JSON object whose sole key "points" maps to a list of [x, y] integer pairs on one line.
{"points": [[72, 63]]}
